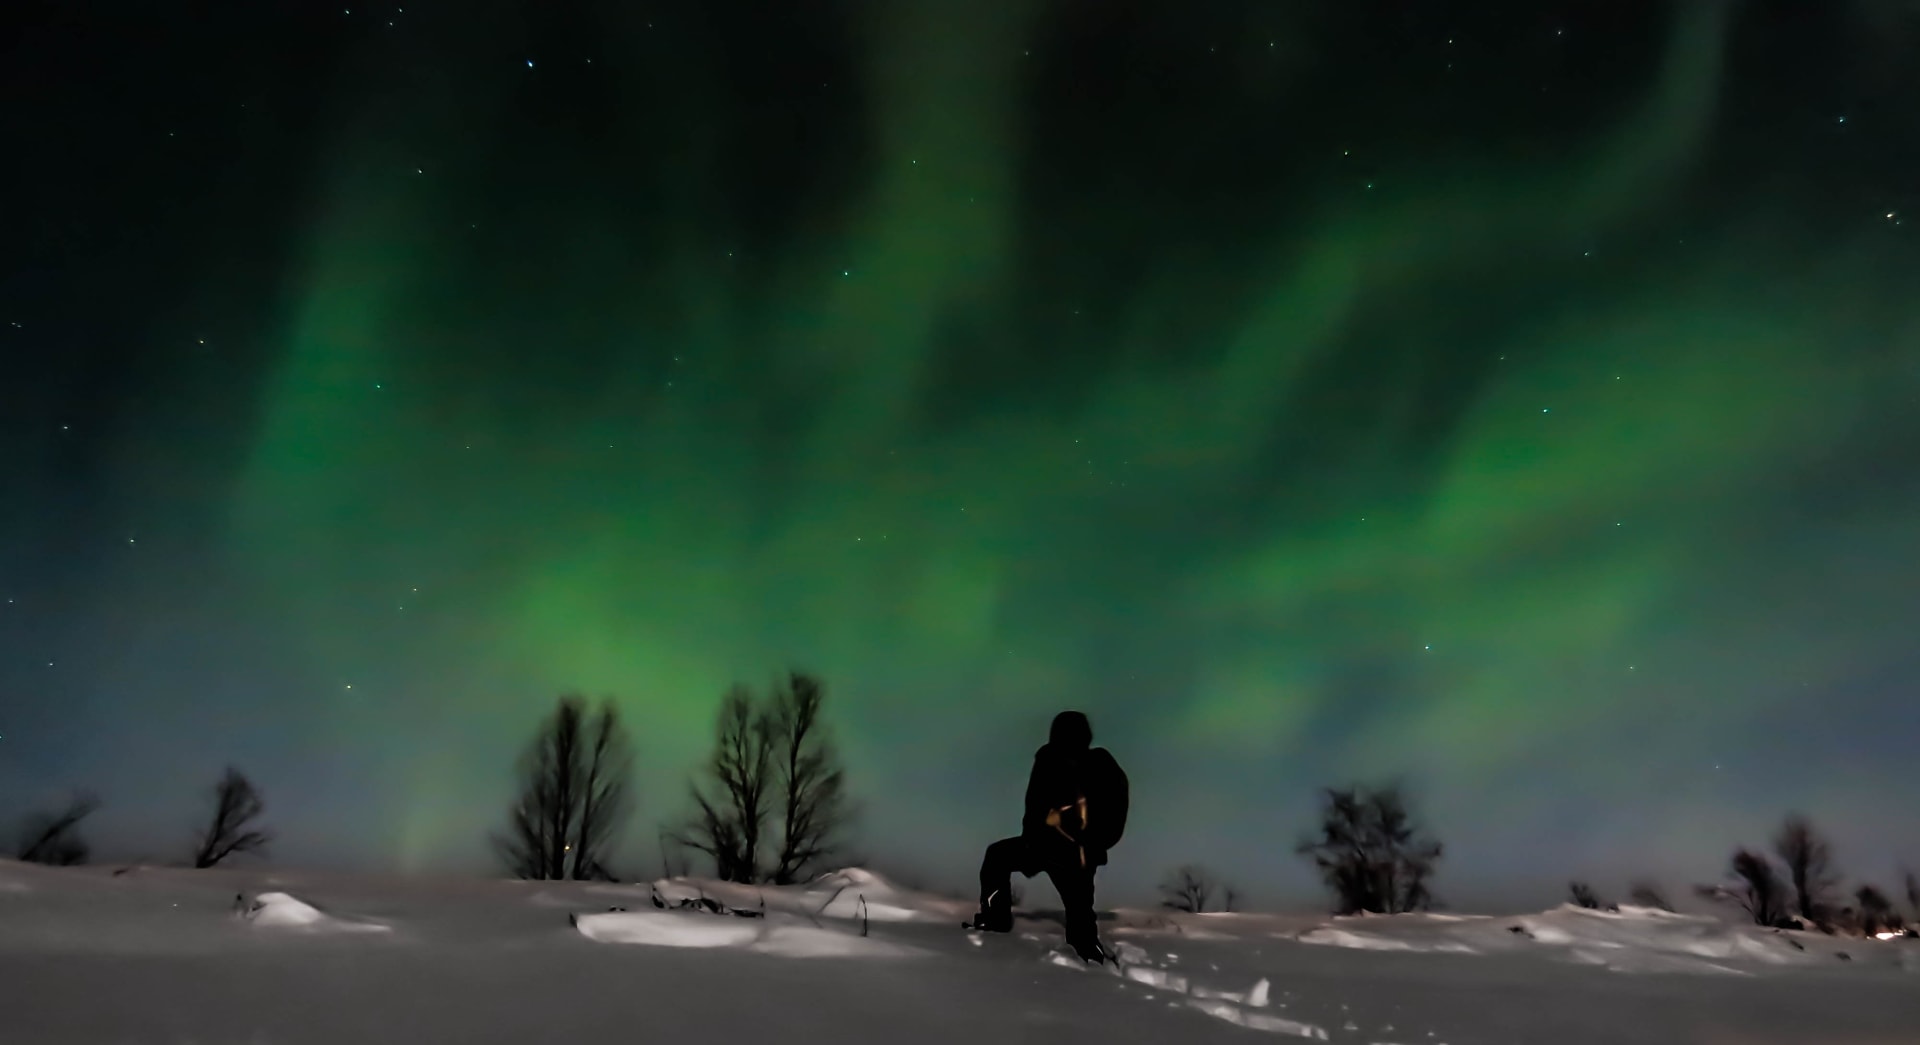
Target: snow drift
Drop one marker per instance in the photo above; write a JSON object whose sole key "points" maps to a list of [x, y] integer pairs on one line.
{"points": [[281, 911], [1632, 939], [774, 935], [854, 894]]}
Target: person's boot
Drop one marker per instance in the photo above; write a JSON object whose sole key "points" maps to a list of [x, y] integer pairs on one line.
{"points": [[1091, 950], [996, 913], [1084, 938]]}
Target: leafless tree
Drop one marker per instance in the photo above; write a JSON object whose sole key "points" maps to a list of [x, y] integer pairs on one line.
{"points": [[1188, 888], [809, 778], [1582, 895], [575, 781], [54, 838], [730, 818], [1809, 861], [1370, 852], [236, 805], [1759, 890], [1876, 911], [1646, 894], [1913, 895]]}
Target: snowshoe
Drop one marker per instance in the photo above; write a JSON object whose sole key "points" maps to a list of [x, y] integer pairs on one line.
{"points": [[990, 922]]}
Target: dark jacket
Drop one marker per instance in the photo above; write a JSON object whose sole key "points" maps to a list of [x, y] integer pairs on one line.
{"points": [[1063, 775]]}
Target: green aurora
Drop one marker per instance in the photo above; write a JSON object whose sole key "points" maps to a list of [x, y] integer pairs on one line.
{"points": [[1503, 462]]}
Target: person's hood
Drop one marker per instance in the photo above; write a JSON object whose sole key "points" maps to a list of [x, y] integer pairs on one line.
{"points": [[1071, 731]]}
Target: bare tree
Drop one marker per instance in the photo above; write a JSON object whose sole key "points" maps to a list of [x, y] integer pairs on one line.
{"points": [[1646, 894], [1809, 861], [1370, 853], [1913, 895], [728, 821], [1582, 895], [605, 794], [1876, 911], [808, 776], [1188, 888], [54, 838], [1759, 890], [236, 805], [575, 781]]}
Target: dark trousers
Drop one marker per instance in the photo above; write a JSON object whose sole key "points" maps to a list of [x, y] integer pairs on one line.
{"points": [[1031, 855]]}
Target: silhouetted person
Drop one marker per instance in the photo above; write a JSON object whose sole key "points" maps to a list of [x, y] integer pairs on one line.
{"points": [[1076, 811]]}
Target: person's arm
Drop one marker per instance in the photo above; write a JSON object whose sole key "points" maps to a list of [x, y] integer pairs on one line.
{"points": [[1107, 811]]}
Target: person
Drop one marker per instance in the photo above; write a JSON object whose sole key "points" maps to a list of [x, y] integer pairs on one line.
{"points": [[1076, 811]]}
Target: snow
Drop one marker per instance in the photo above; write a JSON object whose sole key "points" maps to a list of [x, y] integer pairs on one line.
{"points": [[1160, 978], [280, 911], [852, 894], [291, 957], [1629, 940], [1258, 1021], [762, 935], [1255, 996]]}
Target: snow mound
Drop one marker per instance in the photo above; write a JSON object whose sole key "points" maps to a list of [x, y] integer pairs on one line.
{"points": [[853, 893], [1379, 942], [281, 911], [709, 931], [844, 893], [1354, 941], [1634, 939]]}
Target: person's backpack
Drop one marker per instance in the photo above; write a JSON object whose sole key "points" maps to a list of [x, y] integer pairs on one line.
{"points": [[1104, 784]]}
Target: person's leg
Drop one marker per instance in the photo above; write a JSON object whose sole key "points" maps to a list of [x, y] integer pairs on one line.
{"points": [[996, 882], [1075, 885]]}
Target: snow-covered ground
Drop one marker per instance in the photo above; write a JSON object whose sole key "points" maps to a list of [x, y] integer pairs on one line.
{"points": [[255, 957]]}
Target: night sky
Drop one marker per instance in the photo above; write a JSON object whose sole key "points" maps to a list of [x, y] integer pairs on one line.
{"points": [[1523, 398]]}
